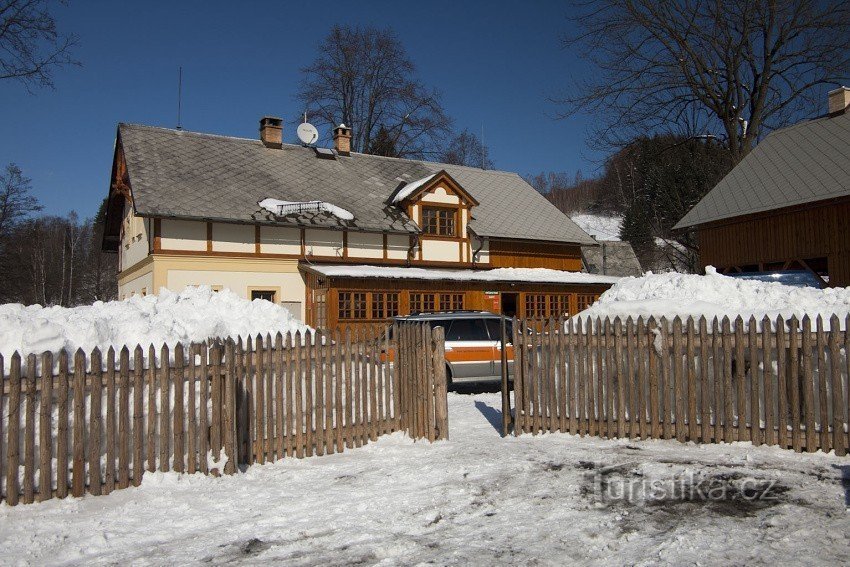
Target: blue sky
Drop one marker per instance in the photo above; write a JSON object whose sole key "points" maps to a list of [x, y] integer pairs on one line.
{"points": [[496, 64]]}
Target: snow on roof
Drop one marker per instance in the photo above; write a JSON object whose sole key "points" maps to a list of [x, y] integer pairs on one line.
{"points": [[408, 189], [715, 295], [283, 208], [602, 227], [532, 275]]}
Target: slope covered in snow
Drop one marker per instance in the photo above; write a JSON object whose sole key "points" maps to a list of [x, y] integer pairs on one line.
{"points": [[195, 314], [715, 295], [476, 499], [601, 227]]}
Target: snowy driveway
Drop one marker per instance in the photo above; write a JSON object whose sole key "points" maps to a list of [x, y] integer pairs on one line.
{"points": [[477, 499]]}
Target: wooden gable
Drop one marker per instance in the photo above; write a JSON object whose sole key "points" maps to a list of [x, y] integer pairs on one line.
{"points": [[441, 180], [119, 194]]}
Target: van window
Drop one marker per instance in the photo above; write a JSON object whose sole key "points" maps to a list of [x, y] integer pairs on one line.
{"points": [[494, 327], [467, 330]]}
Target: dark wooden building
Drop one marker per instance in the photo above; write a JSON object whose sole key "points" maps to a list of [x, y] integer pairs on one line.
{"points": [[786, 206]]}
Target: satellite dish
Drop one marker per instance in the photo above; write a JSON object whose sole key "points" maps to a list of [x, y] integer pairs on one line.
{"points": [[307, 133]]}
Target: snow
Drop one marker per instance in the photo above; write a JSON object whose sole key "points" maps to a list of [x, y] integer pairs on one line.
{"points": [[715, 295], [532, 275], [274, 206], [410, 188], [601, 227], [475, 499], [195, 314]]}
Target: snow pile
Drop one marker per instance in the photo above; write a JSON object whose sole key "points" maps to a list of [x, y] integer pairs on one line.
{"points": [[283, 208], [408, 189], [715, 295], [600, 226], [534, 275], [195, 314]]}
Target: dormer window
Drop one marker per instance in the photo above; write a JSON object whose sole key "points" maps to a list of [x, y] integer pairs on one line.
{"points": [[439, 221]]}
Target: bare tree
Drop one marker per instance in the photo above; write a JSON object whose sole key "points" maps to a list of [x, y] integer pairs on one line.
{"points": [[734, 69], [467, 149], [363, 78], [16, 203], [31, 48]]}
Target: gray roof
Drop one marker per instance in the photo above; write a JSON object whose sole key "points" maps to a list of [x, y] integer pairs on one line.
{"points": [[620, 259], [804, 163], [179, 174]]}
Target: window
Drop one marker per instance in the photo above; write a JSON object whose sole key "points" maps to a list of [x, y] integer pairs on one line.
{"points": [[542, 305], [535, 305], [439, 221], [585, 300], [494, 327], [451, 302], [422, 302], [467, 330], [384, 305], [352, 305], [560, 305], [267, 294]]}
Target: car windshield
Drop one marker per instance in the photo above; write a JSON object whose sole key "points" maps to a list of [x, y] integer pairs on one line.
{"points": [[467, 330], [794, 278]]}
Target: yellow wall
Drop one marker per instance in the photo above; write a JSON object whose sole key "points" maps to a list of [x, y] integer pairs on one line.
{"points": [[365, 245], [183, 235], [318, 242], [440, 250], [397, 246], [232, 237], [280, 240], [134, 239], [137, 281]]}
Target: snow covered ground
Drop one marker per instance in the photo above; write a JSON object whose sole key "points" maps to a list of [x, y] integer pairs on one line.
{"points": [[716, 295], [476, 499]]}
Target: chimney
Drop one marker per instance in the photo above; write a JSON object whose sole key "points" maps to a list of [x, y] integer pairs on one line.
{"points": [[839, 100], [342, 140], [271, 129]]}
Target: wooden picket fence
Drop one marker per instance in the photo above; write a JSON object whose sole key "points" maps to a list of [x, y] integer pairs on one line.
{"points": [[774, 382], [95, 424]]}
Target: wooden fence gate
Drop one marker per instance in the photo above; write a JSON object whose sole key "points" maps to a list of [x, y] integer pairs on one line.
{"points": [[97, 423], [775, 382]]}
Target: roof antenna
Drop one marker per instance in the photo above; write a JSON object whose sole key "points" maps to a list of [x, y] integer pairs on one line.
{"points": [[482, 147], [179, 96]]}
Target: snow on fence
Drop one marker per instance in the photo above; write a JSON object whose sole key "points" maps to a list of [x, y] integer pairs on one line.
{"points": [[775, 382], [82, 426]]}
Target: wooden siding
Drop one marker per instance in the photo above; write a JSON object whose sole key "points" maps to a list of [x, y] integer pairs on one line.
{"points": [[527, 254], [816, 231]]}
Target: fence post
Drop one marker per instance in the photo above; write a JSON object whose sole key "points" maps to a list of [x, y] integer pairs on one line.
{"points": [[506, 396], [229, 428], [441, 402]]}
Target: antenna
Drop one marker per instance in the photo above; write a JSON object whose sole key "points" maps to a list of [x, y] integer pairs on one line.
{"points": [[483, 159], [179, 96]]}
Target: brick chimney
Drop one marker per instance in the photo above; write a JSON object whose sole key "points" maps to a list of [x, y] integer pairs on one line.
{"points": [[271, 132], [342, 140], [839, 100]]}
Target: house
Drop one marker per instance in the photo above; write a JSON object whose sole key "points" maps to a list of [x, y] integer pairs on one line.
{"points": [[338, 237], [786, 205]]}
